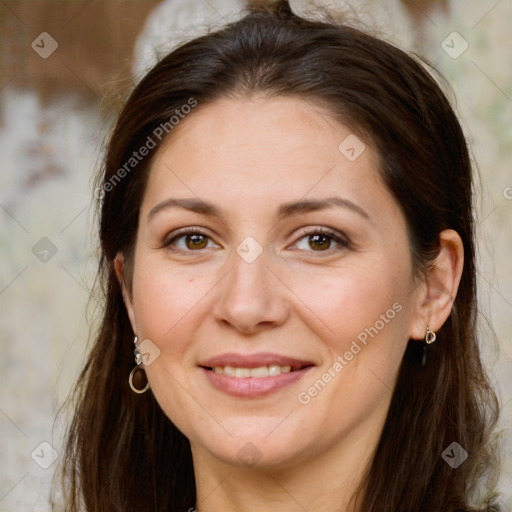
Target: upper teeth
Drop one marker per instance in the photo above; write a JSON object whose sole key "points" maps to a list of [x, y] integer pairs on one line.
{"points": [[261, 371]]}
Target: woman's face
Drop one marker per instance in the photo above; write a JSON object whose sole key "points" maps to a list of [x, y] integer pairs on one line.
{"points": [[305, 263]]}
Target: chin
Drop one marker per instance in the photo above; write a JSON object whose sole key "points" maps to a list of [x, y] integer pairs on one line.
{"points": [[257, 446], [253, 454]]}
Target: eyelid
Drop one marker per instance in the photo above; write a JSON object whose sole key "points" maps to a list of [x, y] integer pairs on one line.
{"points": [[189, 230], [340, 238]]}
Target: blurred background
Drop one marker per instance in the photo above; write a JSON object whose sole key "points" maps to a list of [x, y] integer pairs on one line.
{"points": [[65, 66]]}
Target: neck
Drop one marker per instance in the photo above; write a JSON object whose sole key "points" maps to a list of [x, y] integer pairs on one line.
{"points": [[325, 482]]}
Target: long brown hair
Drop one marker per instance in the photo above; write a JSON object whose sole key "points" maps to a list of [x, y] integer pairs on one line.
{"points": [[122, 452]]}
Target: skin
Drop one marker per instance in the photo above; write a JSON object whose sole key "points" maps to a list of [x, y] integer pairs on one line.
{"points": [[300, 298]]}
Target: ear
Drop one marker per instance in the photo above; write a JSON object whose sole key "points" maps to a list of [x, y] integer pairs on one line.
{"points": [[119, 268], [439, 288]]}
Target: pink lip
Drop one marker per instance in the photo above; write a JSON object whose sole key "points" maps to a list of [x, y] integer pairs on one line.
{"points": [[254, 361], [253, 387]]}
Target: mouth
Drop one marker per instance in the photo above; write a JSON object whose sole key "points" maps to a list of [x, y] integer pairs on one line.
{"points": [[258, 372], [255, 375]]}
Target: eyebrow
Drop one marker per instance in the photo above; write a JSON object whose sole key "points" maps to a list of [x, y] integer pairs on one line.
{"points": [[285, 210]]}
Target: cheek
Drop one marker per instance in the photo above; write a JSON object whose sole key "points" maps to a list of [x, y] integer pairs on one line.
{"points": [[169, 307], [344, 303], [361, 316], [166, 300]]}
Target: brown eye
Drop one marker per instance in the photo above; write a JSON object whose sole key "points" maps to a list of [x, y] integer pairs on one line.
{"points": [[196, 241], [320, 240], [188, 241]]}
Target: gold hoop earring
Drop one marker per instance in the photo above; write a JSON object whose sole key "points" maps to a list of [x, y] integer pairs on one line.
{"points": [[138, 379], [430, 336]]}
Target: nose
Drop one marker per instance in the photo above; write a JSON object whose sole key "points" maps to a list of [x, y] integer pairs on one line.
{"points": [[251, 298]]}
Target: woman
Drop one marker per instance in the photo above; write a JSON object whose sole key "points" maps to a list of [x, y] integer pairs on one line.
{"points": [[287, 242]]}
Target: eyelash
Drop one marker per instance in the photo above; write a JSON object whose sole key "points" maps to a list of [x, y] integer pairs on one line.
{"points": [[341, 240]]}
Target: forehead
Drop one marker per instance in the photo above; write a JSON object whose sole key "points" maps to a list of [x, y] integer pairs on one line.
{"points": [[281, 148], [256, 124]]}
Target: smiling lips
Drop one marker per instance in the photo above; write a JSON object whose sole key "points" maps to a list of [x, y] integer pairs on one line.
{"points": [[255, 375]]}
